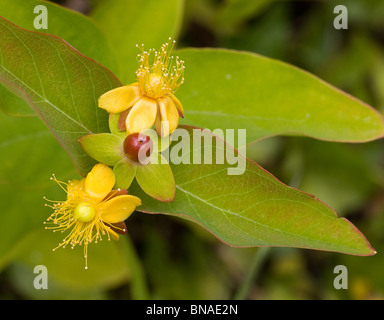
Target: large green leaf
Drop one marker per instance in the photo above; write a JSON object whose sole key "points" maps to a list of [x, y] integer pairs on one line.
{"points": [[127, 23], [106, 265], [13, 105], [63, 23], [232, 89], [254, 208], [60, 83], [78, 30]]}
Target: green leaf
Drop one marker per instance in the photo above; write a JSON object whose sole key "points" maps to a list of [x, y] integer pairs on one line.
{"points": [[14, 106], [127, 23], [78, 30], [60, 83], [20, 275], [139, 288], [231, 90], [103, 147], [254, 208], [106, 267], [234, 12], [63, 23], [26, 146], [125, 171], [156, 179]]}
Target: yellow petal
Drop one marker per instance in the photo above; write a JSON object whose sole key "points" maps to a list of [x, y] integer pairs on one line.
{"points": [[119, 208], [76, 190], [120, 99], [75, 186], [99, 182], [178, 105], [169, 117], [142, 115]]}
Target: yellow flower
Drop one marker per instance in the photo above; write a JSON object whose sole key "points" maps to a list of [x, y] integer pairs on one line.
{"points": [[151, 99], [92, 209]]}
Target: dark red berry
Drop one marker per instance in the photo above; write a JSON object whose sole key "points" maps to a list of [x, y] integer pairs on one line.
{"points": [[136, 142]]}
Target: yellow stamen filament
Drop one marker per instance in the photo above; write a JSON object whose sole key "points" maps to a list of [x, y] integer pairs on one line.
{"points": [[91, 229], [162, 75]]}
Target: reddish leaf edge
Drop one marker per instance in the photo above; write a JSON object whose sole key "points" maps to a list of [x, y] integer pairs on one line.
{"points": [[66, 43], [30, 102], [370, 248], [296, 133]]}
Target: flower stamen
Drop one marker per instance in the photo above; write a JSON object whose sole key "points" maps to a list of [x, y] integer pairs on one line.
{"points": [[83, 219], [162, 74]]}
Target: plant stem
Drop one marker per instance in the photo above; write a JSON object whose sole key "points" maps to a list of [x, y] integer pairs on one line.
{"points": [[139, 288], [257, 262]]}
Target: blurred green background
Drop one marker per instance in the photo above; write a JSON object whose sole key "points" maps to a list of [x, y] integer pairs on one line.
{"points": [[168, 258]]}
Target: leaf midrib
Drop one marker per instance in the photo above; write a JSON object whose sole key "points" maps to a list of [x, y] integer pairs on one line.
{"points": [[249, 220], [42, 97]]}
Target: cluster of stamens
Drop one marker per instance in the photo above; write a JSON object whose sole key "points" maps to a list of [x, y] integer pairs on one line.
{"points": [[163, 74], [64, 218]]}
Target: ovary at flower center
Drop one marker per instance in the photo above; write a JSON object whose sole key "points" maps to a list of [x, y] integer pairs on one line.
{"points": [[84, 212], [153, 85]]}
